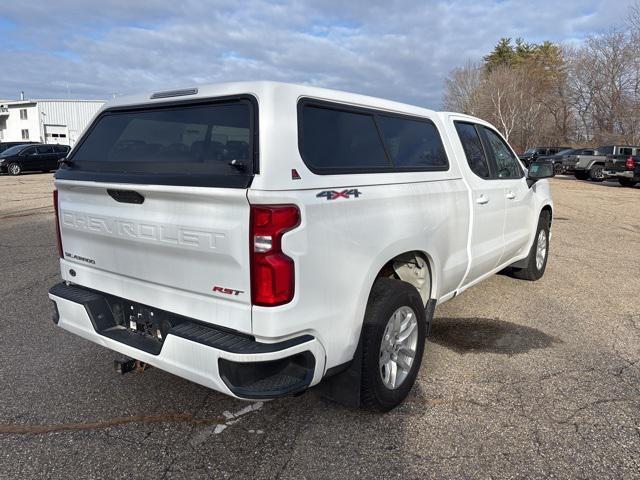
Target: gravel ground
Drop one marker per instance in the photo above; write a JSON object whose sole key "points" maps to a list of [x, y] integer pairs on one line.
{"points": [[519, 379]]}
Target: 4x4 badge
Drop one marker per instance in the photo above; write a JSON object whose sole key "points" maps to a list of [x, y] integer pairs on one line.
{"points": [[334, 194]]}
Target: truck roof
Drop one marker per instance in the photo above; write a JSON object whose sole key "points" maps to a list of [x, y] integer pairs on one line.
{"points": [[264, 89]]}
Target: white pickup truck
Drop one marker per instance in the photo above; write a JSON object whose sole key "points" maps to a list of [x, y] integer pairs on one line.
{"points": [[259, 237]]}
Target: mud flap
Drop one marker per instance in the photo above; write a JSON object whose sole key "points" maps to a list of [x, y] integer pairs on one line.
{"points": [[342, 384]]}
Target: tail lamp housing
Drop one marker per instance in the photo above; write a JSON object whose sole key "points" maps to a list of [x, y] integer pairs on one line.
{"points": [[272, 272], [630, 164], [58, 236]]}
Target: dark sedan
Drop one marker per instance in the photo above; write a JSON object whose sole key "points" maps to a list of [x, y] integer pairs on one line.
{"points": [[39, 158]]}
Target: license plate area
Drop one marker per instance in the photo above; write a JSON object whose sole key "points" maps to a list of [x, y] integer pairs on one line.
{"points": [[143, 320], [134, 324]]}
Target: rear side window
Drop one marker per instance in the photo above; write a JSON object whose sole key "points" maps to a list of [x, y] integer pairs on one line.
{"points": [[336, 139], [412, 143], [181, 144], [44, 149], [473, 150], [626, 151]]}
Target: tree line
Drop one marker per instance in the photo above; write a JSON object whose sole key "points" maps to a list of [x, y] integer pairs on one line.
{"points": [[552, 95]]}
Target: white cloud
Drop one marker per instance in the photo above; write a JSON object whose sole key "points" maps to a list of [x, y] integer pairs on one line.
{"points": [[396, 49]]}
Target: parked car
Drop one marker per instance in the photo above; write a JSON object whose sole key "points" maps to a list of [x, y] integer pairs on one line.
{"points": [[624, 169], [591, 167], [556, 159], [362, 214], [38, 157], [5, 145], [534, 153]]}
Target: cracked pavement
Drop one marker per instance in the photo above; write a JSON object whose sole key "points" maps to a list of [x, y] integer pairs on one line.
{"points": [[519, 379]]}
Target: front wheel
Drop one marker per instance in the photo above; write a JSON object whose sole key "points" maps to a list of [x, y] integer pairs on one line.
{"points": [[539, 253], [557, 168], [14, 169], [394, 331], [596, 173], [626, 182]]}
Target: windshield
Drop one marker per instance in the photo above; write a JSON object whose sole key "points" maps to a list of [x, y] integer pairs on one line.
{"points": [[181, 143], [11, 151], [530, 151], [567, 151]]}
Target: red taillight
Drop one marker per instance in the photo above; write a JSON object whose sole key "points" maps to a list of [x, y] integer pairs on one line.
{"points": [[272, 272], [58, 238], [630, 164]]}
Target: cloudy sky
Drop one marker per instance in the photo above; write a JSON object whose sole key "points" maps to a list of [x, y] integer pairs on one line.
{"points": [[397, 49]]}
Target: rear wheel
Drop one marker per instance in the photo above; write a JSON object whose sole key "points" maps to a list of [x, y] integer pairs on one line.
{"points": [[581, 175], [626, 182], [394, 332], [557, 168], [596, 173], [537, 260], [14, 169]]}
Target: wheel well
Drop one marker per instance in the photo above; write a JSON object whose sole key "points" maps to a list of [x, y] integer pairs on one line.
{"points": [[413, 267], [547, 208]]}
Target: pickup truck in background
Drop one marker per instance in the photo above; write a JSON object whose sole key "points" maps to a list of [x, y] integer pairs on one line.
{"points": [[625, 169], [259, 238], [591, 166], [557, 159]]}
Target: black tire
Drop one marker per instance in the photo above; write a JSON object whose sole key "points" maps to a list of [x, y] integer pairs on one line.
{"points": [[14, 169], [531, 272], [626, 182], [580, 175], [557, 168], [387, 296], [596, 173]]}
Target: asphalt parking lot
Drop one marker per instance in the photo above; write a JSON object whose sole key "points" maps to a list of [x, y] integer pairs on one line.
{"points": [[519, 379]]}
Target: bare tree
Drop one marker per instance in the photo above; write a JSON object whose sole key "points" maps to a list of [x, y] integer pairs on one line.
{"points": [[463, 89], [544, 94]]}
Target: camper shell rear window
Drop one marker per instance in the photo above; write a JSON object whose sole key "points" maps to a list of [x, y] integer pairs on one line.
{"points": [[211, 143]]}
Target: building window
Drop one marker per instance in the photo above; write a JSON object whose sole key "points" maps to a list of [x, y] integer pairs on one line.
{"points": [[25, 134], [23, 114]]}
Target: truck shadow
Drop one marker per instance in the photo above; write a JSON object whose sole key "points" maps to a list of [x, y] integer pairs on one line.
{"points": [[478, 335]]}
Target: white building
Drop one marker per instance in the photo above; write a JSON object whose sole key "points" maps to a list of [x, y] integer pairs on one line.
{"points": [[47, 121]]}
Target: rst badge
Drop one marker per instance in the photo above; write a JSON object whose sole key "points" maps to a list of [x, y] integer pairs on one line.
{"points": [[335, 194], [227, 291]]}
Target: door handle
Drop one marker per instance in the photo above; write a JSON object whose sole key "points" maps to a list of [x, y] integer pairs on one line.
{"points": [[511, 195], [482, 199]]}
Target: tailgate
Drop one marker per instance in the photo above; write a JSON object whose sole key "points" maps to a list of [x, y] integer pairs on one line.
{"points": [[617, 164], [153, 207], [171, 251]]}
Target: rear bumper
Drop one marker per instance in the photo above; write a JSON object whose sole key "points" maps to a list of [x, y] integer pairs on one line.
{"points": [[226, 361], [619, 174]]}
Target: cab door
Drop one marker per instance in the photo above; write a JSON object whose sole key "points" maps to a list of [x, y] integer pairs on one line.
{"points": [[29, 159], [518, 196], [488, 203]]}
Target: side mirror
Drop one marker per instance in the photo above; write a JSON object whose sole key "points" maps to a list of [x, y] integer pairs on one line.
{"points": [[538, 171]]}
